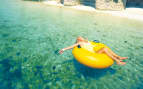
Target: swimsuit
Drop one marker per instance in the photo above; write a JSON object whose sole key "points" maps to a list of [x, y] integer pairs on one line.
{"points": [[88, 46], [92, 47]]}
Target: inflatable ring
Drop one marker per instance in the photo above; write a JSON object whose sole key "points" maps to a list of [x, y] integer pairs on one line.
{"points": [[93, 60]]}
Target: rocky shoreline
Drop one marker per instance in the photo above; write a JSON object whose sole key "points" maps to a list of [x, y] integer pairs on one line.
{"points": [[131, 13]]}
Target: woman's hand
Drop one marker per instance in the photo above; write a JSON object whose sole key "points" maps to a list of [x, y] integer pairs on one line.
{"points": [[67, 48], [61, 51]]}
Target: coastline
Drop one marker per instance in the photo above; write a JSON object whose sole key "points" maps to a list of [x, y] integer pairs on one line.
{"points": [[130, 13]]}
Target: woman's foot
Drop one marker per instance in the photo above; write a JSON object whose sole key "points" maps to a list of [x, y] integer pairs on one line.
{"points": [[122, 58], [121, 63]]}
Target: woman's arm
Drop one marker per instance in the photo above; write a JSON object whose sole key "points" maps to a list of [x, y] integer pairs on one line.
{"points": [[70, 47]]}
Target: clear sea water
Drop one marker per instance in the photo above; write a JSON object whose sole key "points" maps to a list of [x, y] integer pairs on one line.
{"points": [[31, 33]]}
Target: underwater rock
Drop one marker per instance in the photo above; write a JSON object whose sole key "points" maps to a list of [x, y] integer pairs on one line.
{"points": [[25, 59], [68, 68], [13, 40], [55, 73], [5, 35], [5, 61], [47, 87], [95, 23], [10, 57], [54, 67], [98, 31], [57, 79], [39, 67], [59, 70], [120, 77], [125, 41], [9, 49], [46, 81], [78, 75], [17, 73], [104, 35], [57, 52], [112, 71], [18, 54]]}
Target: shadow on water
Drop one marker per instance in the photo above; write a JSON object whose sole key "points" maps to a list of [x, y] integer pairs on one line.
{"points": [[91, 72]]}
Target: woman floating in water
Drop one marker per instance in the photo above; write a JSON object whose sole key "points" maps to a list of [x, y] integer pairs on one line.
{"points": [[80, 41]]}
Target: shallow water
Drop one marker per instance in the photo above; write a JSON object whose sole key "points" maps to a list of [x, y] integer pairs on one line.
{"points": [[31, 33]]}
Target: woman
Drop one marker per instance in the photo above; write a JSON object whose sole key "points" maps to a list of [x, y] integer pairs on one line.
{"points": [[87, 45]]}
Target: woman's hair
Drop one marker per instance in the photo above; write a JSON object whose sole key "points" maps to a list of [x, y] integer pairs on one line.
{"points": [[80, 39]]}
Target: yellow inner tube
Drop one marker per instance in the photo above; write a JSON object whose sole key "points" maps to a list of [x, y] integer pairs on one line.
{"points": [[93, 60]]}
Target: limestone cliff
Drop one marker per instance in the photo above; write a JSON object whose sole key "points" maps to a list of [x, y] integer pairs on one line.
{"points": [[110, 4], [70, 2]]}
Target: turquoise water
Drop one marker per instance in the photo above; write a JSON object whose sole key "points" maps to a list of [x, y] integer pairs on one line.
{"points": [[31, 33]]}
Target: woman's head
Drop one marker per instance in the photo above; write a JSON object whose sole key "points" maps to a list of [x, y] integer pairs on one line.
{"points": [[80, 39]]}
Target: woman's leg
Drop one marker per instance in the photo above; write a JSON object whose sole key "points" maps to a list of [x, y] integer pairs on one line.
{"points": [[115, 55], [106, 50]]}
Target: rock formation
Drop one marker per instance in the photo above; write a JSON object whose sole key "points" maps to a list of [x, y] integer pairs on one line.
{"points": [[103, 4], [110, 4], [70, 2]]}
